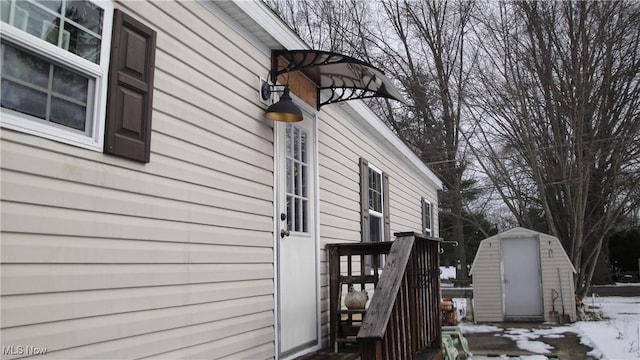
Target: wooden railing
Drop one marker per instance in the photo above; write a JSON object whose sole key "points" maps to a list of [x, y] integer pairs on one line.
{"points": [[348, 265], [403, 316]]}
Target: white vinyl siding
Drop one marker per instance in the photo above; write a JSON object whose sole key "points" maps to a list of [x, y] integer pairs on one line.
{"points": [[341, 143], [487, 282], [554, 262], [106, 258]]}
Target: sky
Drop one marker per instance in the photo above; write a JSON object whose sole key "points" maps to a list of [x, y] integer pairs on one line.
{"points": [[615, 337]]}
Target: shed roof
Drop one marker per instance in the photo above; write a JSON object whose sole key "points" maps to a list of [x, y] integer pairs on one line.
{"points": [[522, 232]]}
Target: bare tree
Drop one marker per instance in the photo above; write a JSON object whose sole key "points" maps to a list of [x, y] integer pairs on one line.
{"points": [[557, 108], [330, 25], [433, 67], [422, 45]]}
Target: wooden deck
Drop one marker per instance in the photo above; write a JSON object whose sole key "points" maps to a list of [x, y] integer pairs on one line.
{"points": [[330, 355], [402, 320], [428, 354]]}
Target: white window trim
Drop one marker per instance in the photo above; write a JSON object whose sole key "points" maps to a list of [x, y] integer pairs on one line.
{"points": [[429, 230], [99, 72], [372, 213]]}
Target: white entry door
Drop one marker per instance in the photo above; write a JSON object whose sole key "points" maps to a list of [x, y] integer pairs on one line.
{"points": [[522, 279], [296, 243]]}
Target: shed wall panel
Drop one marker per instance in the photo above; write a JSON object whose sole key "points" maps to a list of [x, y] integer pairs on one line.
{"points": [[487, 282]]}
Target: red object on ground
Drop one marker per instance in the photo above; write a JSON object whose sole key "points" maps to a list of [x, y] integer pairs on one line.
{"points": [[448, 312]]}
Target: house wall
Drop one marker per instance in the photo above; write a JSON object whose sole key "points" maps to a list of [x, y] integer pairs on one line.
{"points": [[487, 276], [342, 142], [108, 258]]}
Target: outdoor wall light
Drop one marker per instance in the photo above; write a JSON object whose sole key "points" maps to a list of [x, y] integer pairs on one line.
{"points": [[284, 110]]}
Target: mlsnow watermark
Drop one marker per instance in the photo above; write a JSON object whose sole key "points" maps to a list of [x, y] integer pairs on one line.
{"points": [[20, 350]]}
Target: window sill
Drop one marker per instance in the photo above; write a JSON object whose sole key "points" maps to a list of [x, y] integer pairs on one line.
{"points": [[15, 121]]}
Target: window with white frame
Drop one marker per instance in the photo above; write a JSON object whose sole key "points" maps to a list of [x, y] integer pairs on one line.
{"points": [[376, 202], [54, 68], [427, 218], [374, 209]]}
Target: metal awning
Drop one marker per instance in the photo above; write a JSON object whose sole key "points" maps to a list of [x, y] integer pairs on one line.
{"points": [[347, 78]]}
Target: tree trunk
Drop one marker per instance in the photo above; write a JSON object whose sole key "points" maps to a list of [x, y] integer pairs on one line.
{"points": [[458, 231]]}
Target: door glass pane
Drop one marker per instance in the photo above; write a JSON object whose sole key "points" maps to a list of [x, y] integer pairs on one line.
{"points": [[290, 210], [305, 216], [298, 215], [297, 182], [304, 180], [303, 147], [289, 141], [289, 176], [296, 178], [296, 143]]}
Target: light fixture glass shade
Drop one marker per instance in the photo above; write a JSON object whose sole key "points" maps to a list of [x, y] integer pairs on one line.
{"points": [[284, 110]]}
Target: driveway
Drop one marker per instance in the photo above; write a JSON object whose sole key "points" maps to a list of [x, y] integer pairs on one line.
{"points": [[504, 341]]}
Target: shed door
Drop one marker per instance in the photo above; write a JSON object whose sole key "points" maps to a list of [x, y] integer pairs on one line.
{"points": [[521, 279]]}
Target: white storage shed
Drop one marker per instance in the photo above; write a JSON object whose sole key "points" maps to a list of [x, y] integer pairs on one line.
{"points": [[522, 275]]}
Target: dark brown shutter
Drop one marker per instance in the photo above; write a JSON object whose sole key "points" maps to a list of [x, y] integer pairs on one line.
{"points": [[364, 201], [130, 94], [385, 210]]}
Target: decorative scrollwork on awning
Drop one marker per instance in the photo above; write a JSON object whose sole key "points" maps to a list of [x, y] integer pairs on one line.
{"points": [[346, 77]]}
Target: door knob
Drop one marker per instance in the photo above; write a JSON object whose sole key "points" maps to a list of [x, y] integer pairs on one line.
{"points": [[284, 233]]}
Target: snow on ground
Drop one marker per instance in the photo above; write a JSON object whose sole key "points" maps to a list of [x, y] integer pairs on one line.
{"points": [[468, 328], [615, 337], [618, 335], [505, 357], [447, 272], [526, 340]]}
